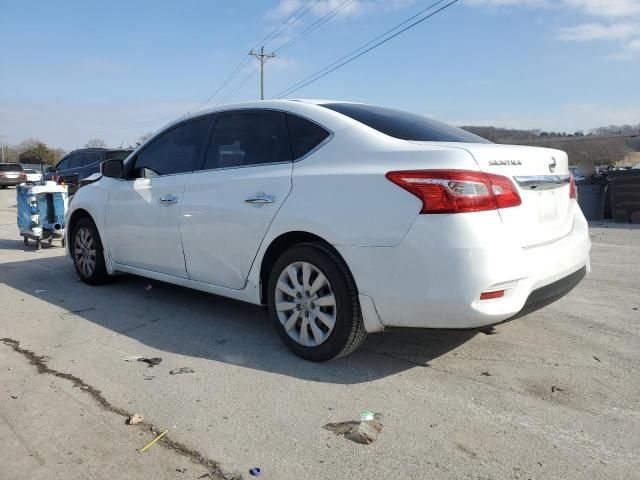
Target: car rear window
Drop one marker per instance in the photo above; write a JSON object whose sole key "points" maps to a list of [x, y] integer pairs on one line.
{"points": [[10, 167], [404, 125]]}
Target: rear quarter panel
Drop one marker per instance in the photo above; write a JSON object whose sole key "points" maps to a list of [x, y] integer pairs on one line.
{"points": [[341, 194]]}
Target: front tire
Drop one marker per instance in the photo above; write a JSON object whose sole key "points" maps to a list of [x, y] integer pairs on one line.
{"points": [[313, 303], [88, 256]]}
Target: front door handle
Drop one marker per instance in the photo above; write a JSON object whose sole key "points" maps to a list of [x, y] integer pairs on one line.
{"points": [[167, 200], [261, 198]]}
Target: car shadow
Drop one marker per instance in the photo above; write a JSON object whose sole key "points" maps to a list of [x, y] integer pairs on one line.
{"points": [[191, 323]]}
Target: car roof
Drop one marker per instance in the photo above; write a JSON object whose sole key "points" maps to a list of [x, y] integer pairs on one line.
{"points": [[310, 109]]}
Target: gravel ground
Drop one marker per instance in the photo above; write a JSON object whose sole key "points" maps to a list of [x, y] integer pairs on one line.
{"points": [[555, 394]]}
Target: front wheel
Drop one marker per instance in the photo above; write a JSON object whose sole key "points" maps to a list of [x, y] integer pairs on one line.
{"points": [[313, 303], [88, 257]]}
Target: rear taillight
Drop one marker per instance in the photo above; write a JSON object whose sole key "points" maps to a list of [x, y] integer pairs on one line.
{"points": [[572, 186], [457, 191]]}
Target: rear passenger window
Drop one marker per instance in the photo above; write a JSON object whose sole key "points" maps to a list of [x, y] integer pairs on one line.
{"points": [[248, 138], [175, 151], [304, 135]]}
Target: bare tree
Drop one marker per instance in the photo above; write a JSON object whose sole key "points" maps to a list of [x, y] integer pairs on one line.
{"points": [[144, 138], [96, 143]]}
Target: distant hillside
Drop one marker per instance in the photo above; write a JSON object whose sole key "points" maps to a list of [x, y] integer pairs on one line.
{"points": [[602, 149]]}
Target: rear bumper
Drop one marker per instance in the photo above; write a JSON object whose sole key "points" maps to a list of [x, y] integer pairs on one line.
{"points": [[11, 182], [434, 277], [548, 294]]}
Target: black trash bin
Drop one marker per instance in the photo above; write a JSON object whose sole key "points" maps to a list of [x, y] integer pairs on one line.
{"points": [[625, 194], [591, 200]]}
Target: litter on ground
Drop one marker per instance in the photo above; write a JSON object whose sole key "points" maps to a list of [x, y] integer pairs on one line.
{"points": [[152, 362], [178, 371], [135, 419], [364, 432]]}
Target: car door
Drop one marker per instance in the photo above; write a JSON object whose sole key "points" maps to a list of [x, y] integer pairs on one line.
{"points": [[229, 205], [143, 210]]}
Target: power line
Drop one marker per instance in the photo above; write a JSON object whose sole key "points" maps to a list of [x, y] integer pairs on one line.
{"points": [[285, 25], [322, 20], [282, 27], [226, 81], [352, 55], [239, 85]]}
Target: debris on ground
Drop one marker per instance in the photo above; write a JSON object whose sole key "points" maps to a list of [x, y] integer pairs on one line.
{"points": [[77, 312], [597, 359], [178, 371], [134, 419], [132, 358], [152, 442], [152, 362], [181, 470], [556, 389], [255, 471], [366, 416], [148, 377], [363, 432], [486, 374], [148, 287], [39, 291], [15, 397]]}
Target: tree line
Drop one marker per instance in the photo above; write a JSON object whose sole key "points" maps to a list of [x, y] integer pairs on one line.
{"points": [[35, 151]]}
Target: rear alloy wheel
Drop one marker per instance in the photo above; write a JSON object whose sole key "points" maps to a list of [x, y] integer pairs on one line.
{"points": [[87, 253], [314, 303]]}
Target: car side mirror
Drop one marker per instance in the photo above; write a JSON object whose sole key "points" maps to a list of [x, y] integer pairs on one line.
{"points": [[112, 168], [50, 170]]}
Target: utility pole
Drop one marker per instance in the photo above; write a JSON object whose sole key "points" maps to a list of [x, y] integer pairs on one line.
{"points": [[262, 57], [2, 137]]}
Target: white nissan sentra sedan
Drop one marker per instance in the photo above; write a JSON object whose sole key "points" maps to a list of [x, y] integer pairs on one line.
{"points": [[343, 218]]}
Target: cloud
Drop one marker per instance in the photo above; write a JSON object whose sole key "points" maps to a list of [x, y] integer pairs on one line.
{"points": [[600, 8], [567, 118], [608, 28], [607, 8], [351, 8], [596, 31]]}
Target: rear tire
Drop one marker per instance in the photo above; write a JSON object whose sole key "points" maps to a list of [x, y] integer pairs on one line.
{"points": [[319, 332], [87, 253]]}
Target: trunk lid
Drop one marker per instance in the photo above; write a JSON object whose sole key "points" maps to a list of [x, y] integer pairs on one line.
{"points": [[541, 176]]}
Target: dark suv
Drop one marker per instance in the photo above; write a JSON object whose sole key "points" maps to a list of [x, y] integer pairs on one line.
{"points": [[79, 164], [11, 174]]}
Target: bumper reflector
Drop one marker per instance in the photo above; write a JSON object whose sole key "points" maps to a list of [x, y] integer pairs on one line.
{"points": [[492, 295]]}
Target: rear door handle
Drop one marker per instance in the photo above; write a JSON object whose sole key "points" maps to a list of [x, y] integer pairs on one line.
{"points": [[261, 198], [167, 200]]}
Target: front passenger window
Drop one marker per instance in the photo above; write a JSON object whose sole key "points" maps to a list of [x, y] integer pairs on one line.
{"points": [[175, 151], [248, 138]]}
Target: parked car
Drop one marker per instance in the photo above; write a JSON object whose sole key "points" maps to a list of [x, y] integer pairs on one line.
{"points": [[79, 164], [11, 174], [343, 218], [33, 175]]}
